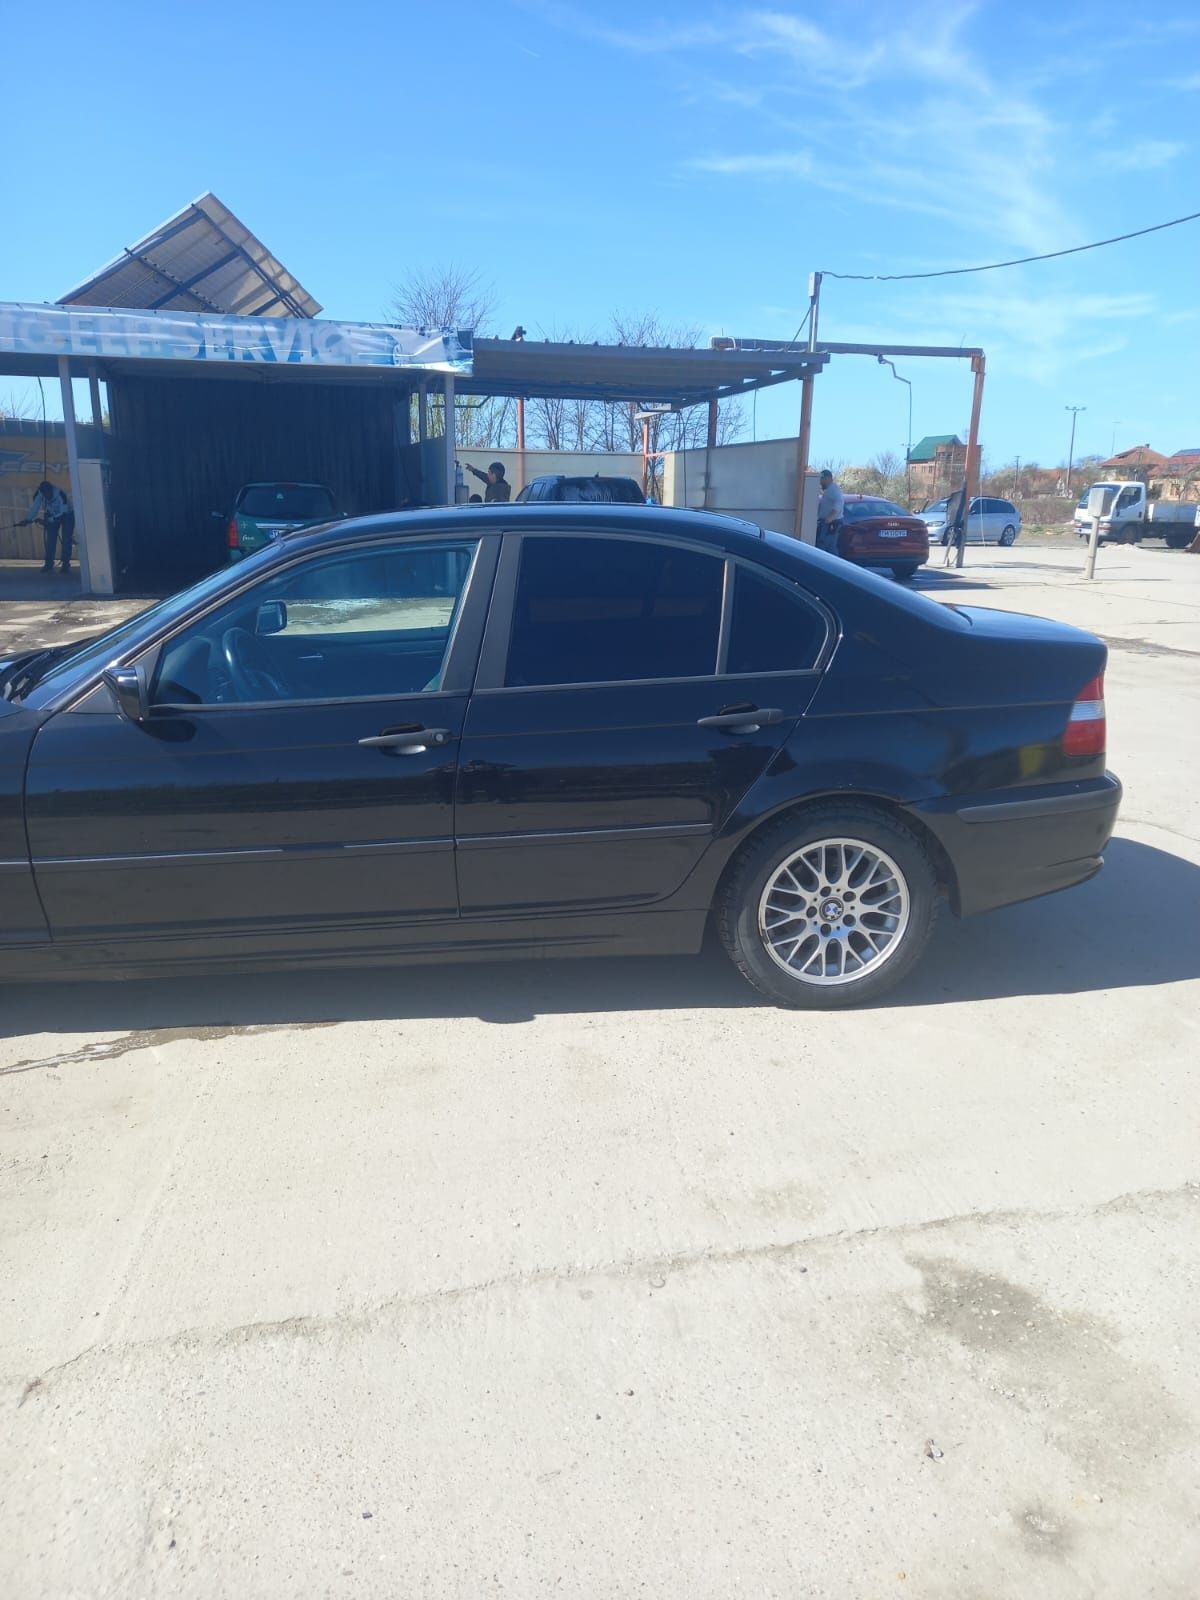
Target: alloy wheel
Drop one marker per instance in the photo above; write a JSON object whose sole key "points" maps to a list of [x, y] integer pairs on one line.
{"points": [[834, 911]]}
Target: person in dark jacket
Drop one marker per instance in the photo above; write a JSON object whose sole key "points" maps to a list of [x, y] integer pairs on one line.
{"points": [[52, 508], [498, 486]]}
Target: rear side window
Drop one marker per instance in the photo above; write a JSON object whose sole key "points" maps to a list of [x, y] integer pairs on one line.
{"points": [[773, 629], [613, 610]]}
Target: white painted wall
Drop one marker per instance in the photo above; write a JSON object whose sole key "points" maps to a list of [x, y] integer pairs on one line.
{"points": [[756, 481], [521, 466]]}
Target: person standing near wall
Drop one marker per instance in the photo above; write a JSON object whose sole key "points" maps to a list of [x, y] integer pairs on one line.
{"points": [[52, 508], [831, 509], [498, 486]]}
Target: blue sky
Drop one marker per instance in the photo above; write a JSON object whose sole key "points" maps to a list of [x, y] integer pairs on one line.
{"points": [[696, 161]]}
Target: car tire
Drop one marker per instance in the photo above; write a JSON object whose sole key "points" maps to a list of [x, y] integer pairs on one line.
{"points": [[905, 570], [784, 862], [1008, 536]]}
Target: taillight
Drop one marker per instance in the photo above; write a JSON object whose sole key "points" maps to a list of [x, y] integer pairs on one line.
{"points": [[231, 534], [1087, 730]]}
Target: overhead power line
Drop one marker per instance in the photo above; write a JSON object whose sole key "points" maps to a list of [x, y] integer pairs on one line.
{"points": [[1021, 261]]}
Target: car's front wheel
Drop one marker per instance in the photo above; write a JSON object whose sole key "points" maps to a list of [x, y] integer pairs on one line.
{"points": [[1009, 535], [830, 908], [905, 570]]}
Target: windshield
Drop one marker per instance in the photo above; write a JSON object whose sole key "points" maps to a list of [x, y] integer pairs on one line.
{"points": [[95, 653], [289, 502], [938, 507], [856, 509]]}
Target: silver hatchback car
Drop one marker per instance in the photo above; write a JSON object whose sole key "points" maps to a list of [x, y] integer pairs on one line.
{"points": [[989, 521]]}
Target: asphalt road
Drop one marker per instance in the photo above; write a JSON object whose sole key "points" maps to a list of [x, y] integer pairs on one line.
{"points": [[610, 1280]]}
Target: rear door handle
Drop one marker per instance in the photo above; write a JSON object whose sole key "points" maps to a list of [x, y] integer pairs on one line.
{"points": [[747, 720], [408, 741]]}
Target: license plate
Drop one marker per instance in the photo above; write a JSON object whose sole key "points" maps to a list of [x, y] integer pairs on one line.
{"points": [[892, 533]]}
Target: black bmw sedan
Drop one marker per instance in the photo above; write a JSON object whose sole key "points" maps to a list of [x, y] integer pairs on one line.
{"points": [[568, 730]]}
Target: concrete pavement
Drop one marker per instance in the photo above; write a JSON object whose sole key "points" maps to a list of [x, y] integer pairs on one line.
{"points": [[550, 1278]]}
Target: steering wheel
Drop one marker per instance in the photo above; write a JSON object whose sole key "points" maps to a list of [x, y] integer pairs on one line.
{"points": [[249, 677]]}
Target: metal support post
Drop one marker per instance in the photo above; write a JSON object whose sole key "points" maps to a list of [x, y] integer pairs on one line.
{"points": [[68, 405], [451, 449], [422, 413], [802, 443], [1093, 544], [94, 390], [969, 480]]}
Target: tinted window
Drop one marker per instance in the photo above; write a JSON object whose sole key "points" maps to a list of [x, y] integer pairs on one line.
{"points": [[773, 628], [611, 610], [596, 491], [376, 623], [290, 502]]}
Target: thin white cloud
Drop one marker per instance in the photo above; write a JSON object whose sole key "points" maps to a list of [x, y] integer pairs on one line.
{"points": [[1192, 82], [782, 163], [1143, 156], [909, 118]]}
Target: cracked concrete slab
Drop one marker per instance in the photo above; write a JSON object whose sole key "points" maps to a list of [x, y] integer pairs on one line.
{"points": [[605, 1281]]}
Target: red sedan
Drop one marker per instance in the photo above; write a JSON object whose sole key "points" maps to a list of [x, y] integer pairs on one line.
{"points": [[876, 533]]}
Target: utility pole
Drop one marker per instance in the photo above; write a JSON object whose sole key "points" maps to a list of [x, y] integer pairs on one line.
{"points": [[1017, 478], [1074, 410]]}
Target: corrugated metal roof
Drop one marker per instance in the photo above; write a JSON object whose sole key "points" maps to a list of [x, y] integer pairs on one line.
{"points": [[202, 259], [636, 373]]}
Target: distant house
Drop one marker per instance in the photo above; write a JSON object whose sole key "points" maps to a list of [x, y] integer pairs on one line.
{"points": [[936, 465], [1138, 462], [1179, 479]]}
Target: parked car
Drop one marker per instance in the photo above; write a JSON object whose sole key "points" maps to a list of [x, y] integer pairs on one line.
{"points": [[263, 511], [877, 533], [578, 730], [584, 491], [989, 521]]}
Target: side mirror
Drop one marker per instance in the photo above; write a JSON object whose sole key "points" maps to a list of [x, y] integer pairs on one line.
{"points": [[271, 617], [128, 686]]}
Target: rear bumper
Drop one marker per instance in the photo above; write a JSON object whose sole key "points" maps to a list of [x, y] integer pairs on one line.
{"points": [[1016, 844]]}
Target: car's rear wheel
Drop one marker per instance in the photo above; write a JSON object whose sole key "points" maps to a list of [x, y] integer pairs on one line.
{"points": [[830, 908], [904, 570], [1009, 535]]}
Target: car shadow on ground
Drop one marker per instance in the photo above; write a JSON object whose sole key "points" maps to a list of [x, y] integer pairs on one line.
{"points": [[1134, 925]]}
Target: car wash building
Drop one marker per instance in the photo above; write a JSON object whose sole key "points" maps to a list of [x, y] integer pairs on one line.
{"points": [[207, 367]]}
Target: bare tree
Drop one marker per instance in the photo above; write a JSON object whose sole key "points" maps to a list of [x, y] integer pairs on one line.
{"points": [[17, 406], [443, 297], [455, 299]]}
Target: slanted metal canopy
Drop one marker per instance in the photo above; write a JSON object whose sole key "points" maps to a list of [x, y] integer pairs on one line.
{"points": [[527, 369], [203, 259]]}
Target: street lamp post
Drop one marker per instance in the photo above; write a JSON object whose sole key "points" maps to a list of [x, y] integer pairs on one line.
{"points": [[1074, 410], [883, 362]]}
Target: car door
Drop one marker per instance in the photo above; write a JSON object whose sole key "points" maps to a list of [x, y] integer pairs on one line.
{"points": [[631, 690], [295, 771]]}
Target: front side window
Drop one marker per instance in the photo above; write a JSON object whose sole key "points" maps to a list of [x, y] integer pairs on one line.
{"points": [[1127, 498], [613, 610], [372, 624]]}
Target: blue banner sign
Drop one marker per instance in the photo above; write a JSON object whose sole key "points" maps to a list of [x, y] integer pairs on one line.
{"points": [[99, 334]]}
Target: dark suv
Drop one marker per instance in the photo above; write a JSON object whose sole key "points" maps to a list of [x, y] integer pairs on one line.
{"points": [[585, 491]]}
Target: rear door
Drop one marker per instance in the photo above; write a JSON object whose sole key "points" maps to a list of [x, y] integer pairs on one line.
{"points": [[613, 726]]}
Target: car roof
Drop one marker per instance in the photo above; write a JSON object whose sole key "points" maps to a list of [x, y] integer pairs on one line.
{"points": [[700, 527]]}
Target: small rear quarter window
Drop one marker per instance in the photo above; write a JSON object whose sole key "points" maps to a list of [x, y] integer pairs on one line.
{"points": [[774, 628]]}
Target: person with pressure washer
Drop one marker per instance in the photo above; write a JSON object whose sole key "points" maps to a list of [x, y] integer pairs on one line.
{"points": [[53, 509]]}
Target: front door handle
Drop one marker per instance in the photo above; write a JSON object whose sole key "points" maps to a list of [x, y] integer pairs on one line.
{"points": [[746, 719], [408, 741]]}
